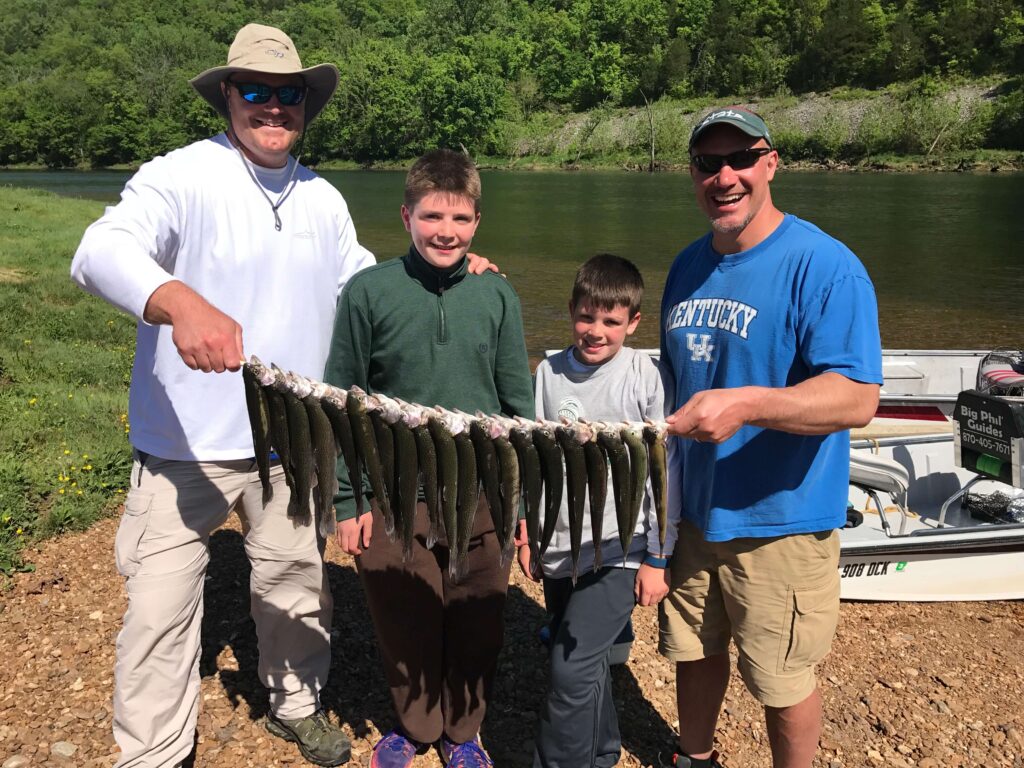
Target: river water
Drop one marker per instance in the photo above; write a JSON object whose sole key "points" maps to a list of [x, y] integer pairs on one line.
{"points": [[943, 250]]}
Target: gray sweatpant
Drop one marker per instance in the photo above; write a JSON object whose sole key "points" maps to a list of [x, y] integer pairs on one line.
{"points": [[162, 549], [578, 726]]}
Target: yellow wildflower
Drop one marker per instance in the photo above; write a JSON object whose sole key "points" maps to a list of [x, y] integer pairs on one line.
{"points": [[67, 452], [61, 490], [19, 531], [32, 401]]}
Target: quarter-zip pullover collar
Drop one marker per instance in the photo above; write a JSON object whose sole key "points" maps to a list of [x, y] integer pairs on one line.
{"points": [[430, 277]]}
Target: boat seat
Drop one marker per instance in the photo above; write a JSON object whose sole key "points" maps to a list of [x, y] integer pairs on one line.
{"points": [[876, 474], [869, 470]]}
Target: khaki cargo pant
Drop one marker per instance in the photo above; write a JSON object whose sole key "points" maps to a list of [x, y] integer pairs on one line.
{"points": [[162, 549]]}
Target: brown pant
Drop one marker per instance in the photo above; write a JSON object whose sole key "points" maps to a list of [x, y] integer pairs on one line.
{"points": [[439, 641]]}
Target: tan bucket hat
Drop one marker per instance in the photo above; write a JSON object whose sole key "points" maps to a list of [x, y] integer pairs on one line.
{"points": [[267, 50]]}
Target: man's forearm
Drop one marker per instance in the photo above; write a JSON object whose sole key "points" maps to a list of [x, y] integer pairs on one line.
{"points": [[169, 301], [826, 403]]}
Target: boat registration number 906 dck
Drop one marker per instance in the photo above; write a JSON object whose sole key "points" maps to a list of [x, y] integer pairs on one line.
{"points": [[874, 568]]}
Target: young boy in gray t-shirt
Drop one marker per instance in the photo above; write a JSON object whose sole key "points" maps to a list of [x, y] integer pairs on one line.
{"points": [[596, 379]]}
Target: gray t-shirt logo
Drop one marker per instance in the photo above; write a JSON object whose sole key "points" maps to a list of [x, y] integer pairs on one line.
{"points": [[570, 408]]}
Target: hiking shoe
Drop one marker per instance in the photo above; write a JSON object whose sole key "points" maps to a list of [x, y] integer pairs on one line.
{"points": [[683, 761], [319, 741], [395, 750], [468, 754]]}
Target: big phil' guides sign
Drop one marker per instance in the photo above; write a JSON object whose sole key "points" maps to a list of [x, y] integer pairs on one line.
{"points": [[990, 435]]}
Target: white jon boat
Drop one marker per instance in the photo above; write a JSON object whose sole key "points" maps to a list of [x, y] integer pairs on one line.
{"points": [[912, 538]]}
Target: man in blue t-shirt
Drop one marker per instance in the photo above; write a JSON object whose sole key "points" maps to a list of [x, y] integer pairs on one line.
{"points": [[770, 329]]}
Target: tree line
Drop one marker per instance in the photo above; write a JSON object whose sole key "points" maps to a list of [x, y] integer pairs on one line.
{"points": [[104, 82]]}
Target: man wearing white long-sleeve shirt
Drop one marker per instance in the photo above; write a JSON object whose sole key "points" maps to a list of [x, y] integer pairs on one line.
{"points": [[226, 240]]}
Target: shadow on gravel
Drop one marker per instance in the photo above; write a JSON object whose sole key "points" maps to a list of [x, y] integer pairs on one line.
{"points": [[226, 621], [644, 732], [356, 690]]}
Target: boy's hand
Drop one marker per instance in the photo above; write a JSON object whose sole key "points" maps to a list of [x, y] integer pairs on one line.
{"points": [[479, 264], [522, 543], [353, 535], [651, 585]]}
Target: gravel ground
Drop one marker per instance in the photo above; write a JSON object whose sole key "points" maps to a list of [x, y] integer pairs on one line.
{"points": [[928, 685]]}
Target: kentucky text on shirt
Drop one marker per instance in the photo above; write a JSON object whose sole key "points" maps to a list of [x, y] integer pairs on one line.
{"points": [[724, 314]]}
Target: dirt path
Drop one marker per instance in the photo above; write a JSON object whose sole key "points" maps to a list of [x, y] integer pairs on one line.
{"points": [[906, 685]]}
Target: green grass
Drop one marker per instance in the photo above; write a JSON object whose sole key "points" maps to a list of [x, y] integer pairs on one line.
{"points": [[65, 362]]}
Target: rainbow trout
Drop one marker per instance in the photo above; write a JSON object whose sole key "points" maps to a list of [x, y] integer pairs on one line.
{"points": [[508, 484], [333, 404], [487, 471], [447, 482], [254, 376], [610, 440], [469, 490], [657, 457], [633, 437], [521, 437], [385, 440], [415, 417], [366, 447], [576, 485], [325, 459], [300, 445], [279, 433], [597, 484], [407, 470], [551, 471]]}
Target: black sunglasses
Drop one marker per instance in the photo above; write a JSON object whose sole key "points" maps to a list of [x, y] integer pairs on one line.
{"points": [[738, 161], [260, 93]]}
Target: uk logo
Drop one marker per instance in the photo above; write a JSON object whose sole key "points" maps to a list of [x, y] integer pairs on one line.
{"points": [[700, 347]]}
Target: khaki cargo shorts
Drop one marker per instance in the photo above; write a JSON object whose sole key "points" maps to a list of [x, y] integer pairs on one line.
{"points": [[778, 598]]}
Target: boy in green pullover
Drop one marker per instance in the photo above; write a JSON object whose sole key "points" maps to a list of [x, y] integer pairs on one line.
{"points": [[423, 329]]}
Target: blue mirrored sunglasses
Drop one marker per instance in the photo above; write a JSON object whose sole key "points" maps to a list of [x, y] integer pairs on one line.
{"points": [[260, 93]]}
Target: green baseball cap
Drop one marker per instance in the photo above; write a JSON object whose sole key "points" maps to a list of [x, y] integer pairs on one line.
{"points": [[738, 117]]}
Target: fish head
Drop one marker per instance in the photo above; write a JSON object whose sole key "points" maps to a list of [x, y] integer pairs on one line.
{"points": [[585, 431], [255, 366], [320, 390], [499, 426], [298, 385], [567, 433], [632, 431], [413, 415], [454, 422], [389, 408], [265, 376], [655, 431]]}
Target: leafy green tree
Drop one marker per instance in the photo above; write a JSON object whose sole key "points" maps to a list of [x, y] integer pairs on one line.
{"points": [[850, 48]]}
